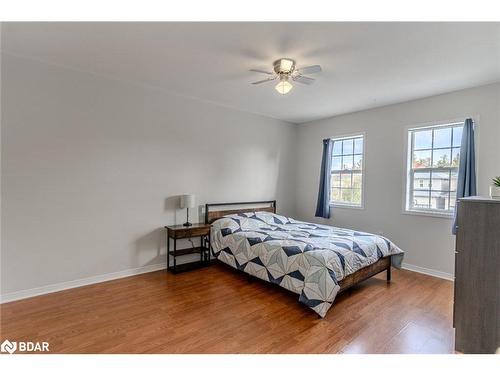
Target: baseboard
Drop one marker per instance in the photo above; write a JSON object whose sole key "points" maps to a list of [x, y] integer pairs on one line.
{"points": [[27, 293], [428, 271]]}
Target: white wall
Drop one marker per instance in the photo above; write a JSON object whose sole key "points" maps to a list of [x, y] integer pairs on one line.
{"points": [[427, 241], [89, 164]]}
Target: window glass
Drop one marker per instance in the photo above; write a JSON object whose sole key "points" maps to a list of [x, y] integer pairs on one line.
{"points": [[455, 157], [422, 159], [347, 171], [337, 148], [423, 139], [358, 146], [442, 138], [441, 157], [358, 162], [348, 147], [336, 163], [347, 162], [433, 167], [457, 136], [335, 180]]}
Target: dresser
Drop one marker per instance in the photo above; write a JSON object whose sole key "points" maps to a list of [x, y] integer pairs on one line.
{"points": [[476, 311]]}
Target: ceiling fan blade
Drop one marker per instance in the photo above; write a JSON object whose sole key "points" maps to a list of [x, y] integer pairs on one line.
{"points": [[261, 71], [263, 81], [310, 69], [303, 79]]}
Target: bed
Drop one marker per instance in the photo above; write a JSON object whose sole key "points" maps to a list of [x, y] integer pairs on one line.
{"points": [[312, 260]]}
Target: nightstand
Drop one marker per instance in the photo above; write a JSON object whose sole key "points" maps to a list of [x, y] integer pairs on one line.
{"points": [[177, 232]]}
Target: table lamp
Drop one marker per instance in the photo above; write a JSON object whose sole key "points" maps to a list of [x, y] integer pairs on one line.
{"points": [[187, 201]]}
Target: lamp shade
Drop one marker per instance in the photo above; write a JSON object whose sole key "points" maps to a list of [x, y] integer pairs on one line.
{"points": [[283, 87], [187, 201]]}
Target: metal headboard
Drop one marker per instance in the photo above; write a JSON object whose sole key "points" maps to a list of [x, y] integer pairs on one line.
{"points": [[211, 216]]}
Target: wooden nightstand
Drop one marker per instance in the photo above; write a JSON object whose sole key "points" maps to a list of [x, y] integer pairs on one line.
{"points": [[176, 232]]}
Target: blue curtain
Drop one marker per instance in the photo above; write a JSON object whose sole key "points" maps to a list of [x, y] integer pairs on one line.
{"points": [[466, 183], [323, 206]]}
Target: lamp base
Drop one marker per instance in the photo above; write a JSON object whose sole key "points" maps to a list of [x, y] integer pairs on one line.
{"points": [[187, 224]]}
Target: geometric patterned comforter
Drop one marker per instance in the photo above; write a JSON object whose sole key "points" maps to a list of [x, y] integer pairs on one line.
{"points": [[305, 258]]}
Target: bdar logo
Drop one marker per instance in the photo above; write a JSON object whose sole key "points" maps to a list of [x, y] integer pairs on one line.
{"points": [[9, 347], [24, 346]]}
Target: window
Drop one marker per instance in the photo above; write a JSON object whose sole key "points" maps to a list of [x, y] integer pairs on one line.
{"points": [[433, 158], [347, 171]]}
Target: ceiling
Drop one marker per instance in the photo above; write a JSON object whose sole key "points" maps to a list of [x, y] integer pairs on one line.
{"points": [[364, 65]]}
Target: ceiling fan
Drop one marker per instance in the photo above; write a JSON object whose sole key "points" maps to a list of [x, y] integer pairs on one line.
{"points": [[286, 71]]}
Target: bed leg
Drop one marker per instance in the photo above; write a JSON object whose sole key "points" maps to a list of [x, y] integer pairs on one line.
{"points": [[389, 274]]}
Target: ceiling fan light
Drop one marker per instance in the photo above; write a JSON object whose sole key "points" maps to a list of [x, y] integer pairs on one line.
{"points": [[286, 65], [284, 87]]}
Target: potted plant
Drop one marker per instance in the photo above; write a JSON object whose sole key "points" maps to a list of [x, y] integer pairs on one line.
{"points": [[495, 188]]}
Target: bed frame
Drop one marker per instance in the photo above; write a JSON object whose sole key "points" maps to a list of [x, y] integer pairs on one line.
{"points": [[383, 264]]}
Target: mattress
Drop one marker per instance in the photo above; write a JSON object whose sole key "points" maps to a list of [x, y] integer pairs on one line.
{"points": [[306, 258]]}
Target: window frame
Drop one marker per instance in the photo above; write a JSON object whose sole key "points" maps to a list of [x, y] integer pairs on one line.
{"points": [[360, 206], [407, 180]]}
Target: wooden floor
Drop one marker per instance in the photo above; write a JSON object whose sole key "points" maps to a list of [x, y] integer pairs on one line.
{"points": [[220, 310]]}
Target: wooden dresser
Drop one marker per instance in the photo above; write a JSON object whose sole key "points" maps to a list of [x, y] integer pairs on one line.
{"points": [[476, 314]]}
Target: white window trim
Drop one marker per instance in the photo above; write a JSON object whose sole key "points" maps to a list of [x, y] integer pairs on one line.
{"points": [[407, 160], [363, 175]]}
